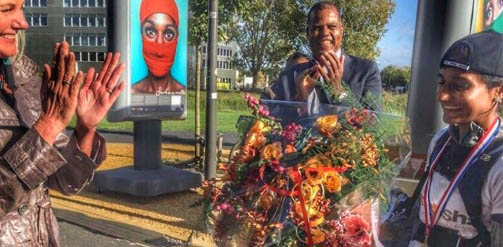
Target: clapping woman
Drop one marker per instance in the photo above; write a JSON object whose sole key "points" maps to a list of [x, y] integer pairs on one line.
{"points": [[34, 153]]}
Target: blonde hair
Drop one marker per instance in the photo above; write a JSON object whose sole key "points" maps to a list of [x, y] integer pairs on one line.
{"points": [[21, 43]]}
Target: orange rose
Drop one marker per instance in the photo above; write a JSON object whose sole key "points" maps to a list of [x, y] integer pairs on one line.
{"points": [[290, 149], [255, 139], [333, 182], [260, 126], [327, 125], [247, 154], [319, 160], [272, 151]]}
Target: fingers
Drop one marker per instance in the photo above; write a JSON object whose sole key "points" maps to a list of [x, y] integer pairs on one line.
{"points": [[104, 67], [115, 77], [60, 66], [116, 92], [69, 68], [55, 56], [111, 68], [74, 88], [89, 79]]}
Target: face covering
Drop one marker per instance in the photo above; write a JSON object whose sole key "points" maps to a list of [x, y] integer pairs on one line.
{"points": [[159, 57], [497, 24]]}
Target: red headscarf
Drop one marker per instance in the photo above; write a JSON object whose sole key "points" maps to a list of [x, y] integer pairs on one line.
{"points": [[159, 57]]}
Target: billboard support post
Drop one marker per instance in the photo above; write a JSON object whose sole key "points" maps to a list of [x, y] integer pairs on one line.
{"points": [[145, 104], [211, 94], [147, 145]]}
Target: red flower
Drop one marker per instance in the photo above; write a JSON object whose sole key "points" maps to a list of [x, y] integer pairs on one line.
{"points": [[357, 231]]}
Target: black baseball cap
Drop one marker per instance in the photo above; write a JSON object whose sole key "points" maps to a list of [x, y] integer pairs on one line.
{"points": [[480, 52]]}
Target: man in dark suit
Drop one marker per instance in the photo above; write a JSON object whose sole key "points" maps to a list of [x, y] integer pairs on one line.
{"points": [[330, 65]]}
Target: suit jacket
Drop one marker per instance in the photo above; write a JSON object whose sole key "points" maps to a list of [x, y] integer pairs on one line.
{"points": [[361, 75]]}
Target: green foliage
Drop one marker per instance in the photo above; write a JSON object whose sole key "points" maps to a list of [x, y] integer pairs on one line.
{"points": [[364, 24], [395, 103], [393, 75], [263, 47], [198, 20]]}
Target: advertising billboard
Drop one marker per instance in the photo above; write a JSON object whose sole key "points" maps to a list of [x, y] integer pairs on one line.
{"points": [[489, 16], [151, 36]]}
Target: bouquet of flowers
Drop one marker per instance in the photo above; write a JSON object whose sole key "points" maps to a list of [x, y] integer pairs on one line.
{"points": [[317, 183]]}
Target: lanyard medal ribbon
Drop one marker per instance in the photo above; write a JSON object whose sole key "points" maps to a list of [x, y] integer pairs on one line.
{"points": [[431, 216]]}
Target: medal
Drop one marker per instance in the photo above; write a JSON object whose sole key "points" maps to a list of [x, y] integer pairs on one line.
{"points": [[431, 216]]}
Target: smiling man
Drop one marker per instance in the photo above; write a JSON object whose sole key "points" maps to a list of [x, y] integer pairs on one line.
{"points": [[329, 65]]}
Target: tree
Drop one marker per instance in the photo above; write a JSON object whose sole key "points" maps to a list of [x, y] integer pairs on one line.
{"points": [[267, 31], [394, 76], [198, 25], [364, 24], [262, 44]]}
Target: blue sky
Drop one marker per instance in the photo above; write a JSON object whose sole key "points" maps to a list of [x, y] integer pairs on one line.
{"points": [[396, 45]]}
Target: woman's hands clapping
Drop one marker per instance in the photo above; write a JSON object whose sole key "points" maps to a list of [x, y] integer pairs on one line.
{"points": [[62, 96]]}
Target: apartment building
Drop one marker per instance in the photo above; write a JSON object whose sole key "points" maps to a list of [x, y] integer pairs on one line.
{"points": [[82, 23]]}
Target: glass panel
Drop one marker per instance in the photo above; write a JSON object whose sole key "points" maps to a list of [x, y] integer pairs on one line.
{"points": [[68, 20], [92, 40], [101, 40], [92, 56], [76, 39], [77, 56], [68, 38], [43, 20], [92, 20], [101, 3], [83, 3], [66, 3], [34, 3], [101, 56], [101, 21], [75, 21], [84, 40], [43, 3], [75, 3], [85, 56], [92, 3], [83, 21], [36, 20]]}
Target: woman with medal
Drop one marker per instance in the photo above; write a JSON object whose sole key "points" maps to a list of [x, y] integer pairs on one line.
{"points": [[461, 202]]}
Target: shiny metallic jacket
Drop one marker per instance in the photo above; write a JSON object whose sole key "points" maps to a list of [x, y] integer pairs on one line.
{"points": [[29, 166]]}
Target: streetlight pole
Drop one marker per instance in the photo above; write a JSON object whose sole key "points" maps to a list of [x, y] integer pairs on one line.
{"points": [[211, 93]]}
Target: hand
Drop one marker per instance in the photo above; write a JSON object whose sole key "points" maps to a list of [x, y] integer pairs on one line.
{"points": [[331, 68], [305, 83], [59, 91], [99, 93]]}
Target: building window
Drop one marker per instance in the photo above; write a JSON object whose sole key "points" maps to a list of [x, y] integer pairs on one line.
{"points": [[92, 40], [36, 19], [35, 3], [101, 40], [86, 56], [80, 3], [84, 20]]}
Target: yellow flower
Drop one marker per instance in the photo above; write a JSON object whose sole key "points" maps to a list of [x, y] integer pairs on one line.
{"points": [[272, 151], [255, 139], [333, 182], [327, 125]]}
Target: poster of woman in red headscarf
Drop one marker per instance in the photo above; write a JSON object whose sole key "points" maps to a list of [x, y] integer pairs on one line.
{"points": [[160, 32], [152, 38]]}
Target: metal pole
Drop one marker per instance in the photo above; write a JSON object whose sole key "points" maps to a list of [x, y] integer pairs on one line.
{"points": [[198, 153], [211, 94]]}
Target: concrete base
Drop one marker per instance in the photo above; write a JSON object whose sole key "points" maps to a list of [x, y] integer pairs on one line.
{"points": [[147, 183]]}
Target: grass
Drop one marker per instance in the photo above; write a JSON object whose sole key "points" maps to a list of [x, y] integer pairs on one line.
{"points": [[230, 105]]}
